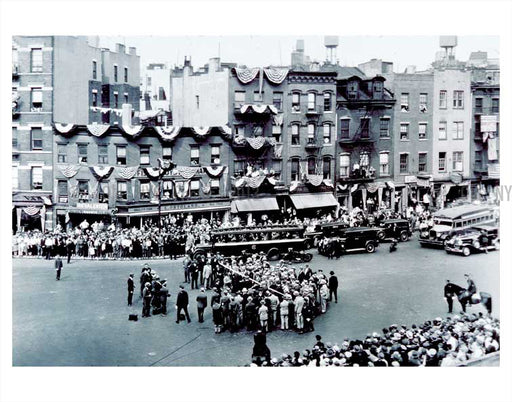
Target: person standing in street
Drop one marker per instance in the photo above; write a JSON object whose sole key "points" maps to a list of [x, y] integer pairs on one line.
{"points": [[58, 266], [202, 302], [182, 304], [263, 315], [333, 287], [131, 287], [146, 300], [186, 268], [70, 246], [164, 294], [449, 293]]}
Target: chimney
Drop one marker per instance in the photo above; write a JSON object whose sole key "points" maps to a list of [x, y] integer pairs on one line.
{"points": [[213, 65], [410, 70], [133, 51], [187, 67], [120, 48], [127, 115]]}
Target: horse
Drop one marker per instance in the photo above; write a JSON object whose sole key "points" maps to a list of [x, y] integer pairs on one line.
{"points": [[466, 298]]}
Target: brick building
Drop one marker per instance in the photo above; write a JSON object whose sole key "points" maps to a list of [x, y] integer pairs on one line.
{"points": [[60, 79], [365, 140], [113, 172], [485, 163]]}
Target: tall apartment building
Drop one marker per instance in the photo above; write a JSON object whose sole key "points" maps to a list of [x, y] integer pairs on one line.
{"points": [[65, 80], [32, 135], [485, 150]]}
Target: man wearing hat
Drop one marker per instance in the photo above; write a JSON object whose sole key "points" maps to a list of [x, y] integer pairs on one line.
{"points": [[333, 287], [163, 294], [131, 287], [146, 300], [202, 302], [182, 304]]}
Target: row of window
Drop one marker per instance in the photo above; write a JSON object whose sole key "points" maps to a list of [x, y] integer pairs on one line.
{"points": [[116, 72], [495, 105], [145, 191], [457, 101], [277, 100], [115, 100], [121, 159]]}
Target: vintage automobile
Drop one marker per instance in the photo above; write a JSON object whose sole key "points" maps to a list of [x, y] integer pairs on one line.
{"points": [[275, 241], [331, 229], [473, 240], [395, 229], [449, 222], [360, 239]]}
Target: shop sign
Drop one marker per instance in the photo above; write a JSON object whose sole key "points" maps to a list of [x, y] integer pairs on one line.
{"points": [[410, 179], [173, 207], [92, 206]]}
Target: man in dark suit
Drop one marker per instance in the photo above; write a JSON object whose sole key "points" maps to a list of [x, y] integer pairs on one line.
{"points": [[131, 287], [58, 266], [333, 287], [182, 304], [202, 302], [449, 294]]}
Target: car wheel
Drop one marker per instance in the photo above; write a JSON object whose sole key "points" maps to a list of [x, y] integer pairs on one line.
{"points": [[404, 236], [273, 254], [476, 244], [370, 247], [198, 254], [381, 235], [308, 257], [466, 251]]}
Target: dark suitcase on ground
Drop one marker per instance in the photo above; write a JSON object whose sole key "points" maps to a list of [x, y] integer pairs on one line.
{"points": [[133, 317]]}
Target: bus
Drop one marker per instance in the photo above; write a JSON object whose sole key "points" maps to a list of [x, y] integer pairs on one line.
{"points": [[451, 221], [275, 241]]}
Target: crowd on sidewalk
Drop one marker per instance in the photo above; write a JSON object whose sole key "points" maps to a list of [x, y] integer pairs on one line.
{"points": [[452, 341]]}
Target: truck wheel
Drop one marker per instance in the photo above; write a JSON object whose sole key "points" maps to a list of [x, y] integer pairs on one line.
{"points": [[404, 236], [466, 251], [273, 254], [370, 247], [308, 257]]}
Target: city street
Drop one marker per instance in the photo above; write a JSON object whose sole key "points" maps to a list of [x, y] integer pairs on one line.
{"points": [[82, 320]]}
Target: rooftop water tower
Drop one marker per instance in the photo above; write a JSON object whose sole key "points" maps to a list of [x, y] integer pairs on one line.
{"points": [[331, 45], [448, 43]]}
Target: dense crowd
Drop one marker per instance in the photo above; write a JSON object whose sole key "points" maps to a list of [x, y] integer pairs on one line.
{"points": [[249, 292], [453, 341]]}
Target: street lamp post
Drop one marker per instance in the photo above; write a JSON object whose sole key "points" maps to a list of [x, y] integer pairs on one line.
{"points": [[164, 168]]}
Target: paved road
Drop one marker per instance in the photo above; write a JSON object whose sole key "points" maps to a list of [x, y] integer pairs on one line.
{"points": [[82, 320]]}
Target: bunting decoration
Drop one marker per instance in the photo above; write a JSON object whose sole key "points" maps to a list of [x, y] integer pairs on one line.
{"points": [[101, 172], [246, 75], [31, 210], [239, 140], [181, 188], [372, 187], [354, 188], [226, 131], [328, 183], [132, 130], [254, 182], [214, 171], [73, 190], [293, 186], [201, 131], [64, 128], [97, 129], [342, 187], [168, 133], [278, 151], [272, 181], [94, 191], [69, 170], [276, 75], [257, 142], [206, 187], [127, 172], [155, 190], [315, 179], [271, 141], [47, 201], [277, 119], [258, 108], [151, 172], [187, 172]]}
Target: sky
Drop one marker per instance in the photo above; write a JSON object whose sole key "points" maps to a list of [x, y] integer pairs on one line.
{"points": [[257, 51]]}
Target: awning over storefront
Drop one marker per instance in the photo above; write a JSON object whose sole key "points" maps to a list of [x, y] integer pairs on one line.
{"points": [[321, 200], [254, 205]]}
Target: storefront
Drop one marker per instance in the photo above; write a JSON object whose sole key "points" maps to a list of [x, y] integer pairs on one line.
{"points": [[314, 204], [70, 217], [31, 212], [249, 209]]}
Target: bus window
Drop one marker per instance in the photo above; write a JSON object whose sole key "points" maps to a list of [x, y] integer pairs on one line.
{"points": [[458, 224]]}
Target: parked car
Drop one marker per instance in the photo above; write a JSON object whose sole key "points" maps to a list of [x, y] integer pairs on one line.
{"points": [[473, 240], [396, 229], [360, 238]]}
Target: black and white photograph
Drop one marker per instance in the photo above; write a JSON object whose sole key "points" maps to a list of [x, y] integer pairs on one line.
{"points": [[252, 200]]}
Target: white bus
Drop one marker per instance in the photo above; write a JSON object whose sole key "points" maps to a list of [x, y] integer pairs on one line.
{"points": [[450, 221]]}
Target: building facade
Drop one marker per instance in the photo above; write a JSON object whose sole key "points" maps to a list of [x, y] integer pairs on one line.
{"points": [[485, 149], [32, 136], [365, 142], [66, 80], [155, 91]]}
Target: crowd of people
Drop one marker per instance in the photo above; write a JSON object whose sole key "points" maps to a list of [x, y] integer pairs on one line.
{"points": [[251, 293], [453, 341]]}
